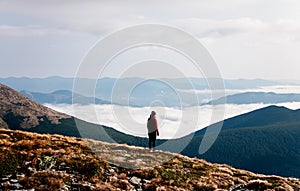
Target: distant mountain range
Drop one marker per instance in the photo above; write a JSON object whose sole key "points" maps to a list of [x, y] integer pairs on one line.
{"points": [[142, 92], [62, 97], [257, 97], [54, 83], [65, 97], [264, 141]]}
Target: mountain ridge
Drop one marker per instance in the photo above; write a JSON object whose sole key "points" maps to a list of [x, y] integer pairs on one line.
{"points": [[52, 83], [144, 91], [256, 97], [62, 97], [27, 112], [281, 114]]}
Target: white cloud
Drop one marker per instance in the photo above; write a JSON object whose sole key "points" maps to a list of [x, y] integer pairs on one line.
{"points": [[31, 31], [280, 89], [275, 32], [244, 37], [218, 28], [93, 17], [207, 18], [172, 124], [277, 89]]}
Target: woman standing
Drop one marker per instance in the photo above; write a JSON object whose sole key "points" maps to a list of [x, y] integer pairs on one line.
{"points": [[152, 126]]}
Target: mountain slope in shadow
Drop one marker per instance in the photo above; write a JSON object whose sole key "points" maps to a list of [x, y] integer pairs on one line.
{"points": [[265, 140]]}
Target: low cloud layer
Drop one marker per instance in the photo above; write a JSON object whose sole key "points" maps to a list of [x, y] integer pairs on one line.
{"points": [[173, 123], [279, 89]]}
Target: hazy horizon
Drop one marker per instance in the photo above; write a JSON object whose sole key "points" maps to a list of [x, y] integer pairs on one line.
{"points": [[114, 77]]}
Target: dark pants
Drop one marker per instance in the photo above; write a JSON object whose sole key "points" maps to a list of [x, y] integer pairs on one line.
{"points": [[152, 139]]}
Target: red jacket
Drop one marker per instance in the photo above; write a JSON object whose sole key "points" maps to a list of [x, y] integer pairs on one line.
{"points": [[152, 125]]}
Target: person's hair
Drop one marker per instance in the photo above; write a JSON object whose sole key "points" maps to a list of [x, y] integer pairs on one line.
{"points": [[152, 114]]}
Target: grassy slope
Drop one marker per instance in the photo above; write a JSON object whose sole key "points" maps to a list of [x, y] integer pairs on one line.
{"points": [[21, 151], [260, 147]]}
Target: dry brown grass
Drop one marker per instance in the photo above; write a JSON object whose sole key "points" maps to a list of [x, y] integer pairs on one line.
{"points": [[23, 151], [45, 180]]}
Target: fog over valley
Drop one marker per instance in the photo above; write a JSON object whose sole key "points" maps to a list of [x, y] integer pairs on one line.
{"points": [[170, 119]]}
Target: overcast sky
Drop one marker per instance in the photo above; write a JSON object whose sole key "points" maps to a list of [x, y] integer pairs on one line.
{"points": [[246, 38]]}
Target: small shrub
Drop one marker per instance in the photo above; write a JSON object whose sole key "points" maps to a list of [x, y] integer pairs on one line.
{"points": [[46, 162], [9, 162], [258, 185], [44, 181]]}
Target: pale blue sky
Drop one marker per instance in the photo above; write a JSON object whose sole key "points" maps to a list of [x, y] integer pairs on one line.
{"points": [[247, 39]]}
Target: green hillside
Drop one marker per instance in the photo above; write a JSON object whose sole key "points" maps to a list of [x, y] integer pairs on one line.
{"points": [[270, 149], [264, 141]]}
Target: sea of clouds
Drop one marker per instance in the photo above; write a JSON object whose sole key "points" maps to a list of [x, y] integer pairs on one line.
{"points": [[172, 124], [280, 89]]}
